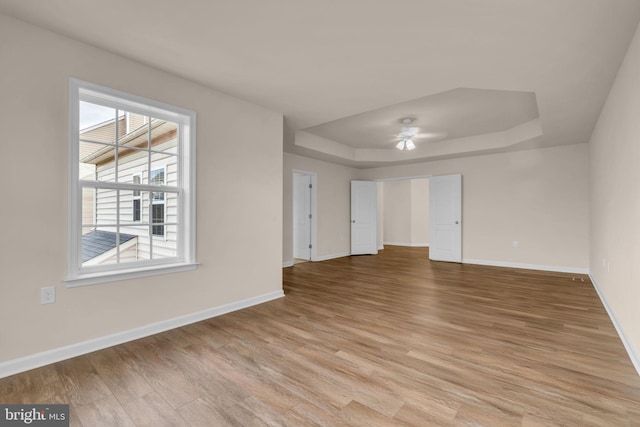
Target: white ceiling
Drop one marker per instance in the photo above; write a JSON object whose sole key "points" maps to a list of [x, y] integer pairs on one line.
{"points": [[453, 114], [339, 70]]}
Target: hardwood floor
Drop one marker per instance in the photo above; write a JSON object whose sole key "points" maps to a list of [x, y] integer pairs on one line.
{"points": [[367, 341]]}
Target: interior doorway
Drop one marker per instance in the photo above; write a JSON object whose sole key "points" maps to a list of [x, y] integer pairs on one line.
{"points": [[304, 216], [404, 212]]}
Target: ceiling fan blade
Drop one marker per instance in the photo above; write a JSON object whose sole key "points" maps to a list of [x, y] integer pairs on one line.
{"points": [[431, 135]]}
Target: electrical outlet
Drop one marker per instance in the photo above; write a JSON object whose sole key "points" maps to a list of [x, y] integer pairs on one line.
{"points": [[515, 243], [48, 295]]}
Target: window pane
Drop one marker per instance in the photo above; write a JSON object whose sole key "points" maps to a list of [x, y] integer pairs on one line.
{"points": [[132, 207], [135, 249], [136, 179], [135, 131], [88, 207], [99, 246], [131, 157], [98, 159], [131, 162], [137, 210], [164, 136], [127, 208], [157, 216], [157, 177], [92, 155], [169, 163], [97, 123], [171, 206], [167, 247], [106, 206]]}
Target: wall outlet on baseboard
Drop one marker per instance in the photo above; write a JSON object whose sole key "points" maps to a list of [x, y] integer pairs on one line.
{"points": [[48, 295]]}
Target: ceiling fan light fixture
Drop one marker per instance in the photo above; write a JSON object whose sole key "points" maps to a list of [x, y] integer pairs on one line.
{"points": [[406, 135]]}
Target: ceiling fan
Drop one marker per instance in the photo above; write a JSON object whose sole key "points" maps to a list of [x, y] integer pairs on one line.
{"points": [[408, 134]]}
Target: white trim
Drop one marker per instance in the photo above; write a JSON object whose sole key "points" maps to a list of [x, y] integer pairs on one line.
{"points": [[286, 264], [635, 358], [125, 274], [413, 245], [33, 361], [381, 247], [331, 256], [556, 269]]}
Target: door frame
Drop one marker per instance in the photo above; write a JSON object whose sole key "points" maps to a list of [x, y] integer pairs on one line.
{"points": [[314, 211]]}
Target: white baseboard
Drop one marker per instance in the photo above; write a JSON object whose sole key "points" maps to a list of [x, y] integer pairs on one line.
{"points": [[37, 360], [381, 247], [286, 264], [575, 270], [635, 359], [413, 245], [331, 256]]}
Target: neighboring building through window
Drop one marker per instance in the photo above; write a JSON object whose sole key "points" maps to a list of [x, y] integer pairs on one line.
{"points": [[158, 203], [132, 181], [137, 199]]}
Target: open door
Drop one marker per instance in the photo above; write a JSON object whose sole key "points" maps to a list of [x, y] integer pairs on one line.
{"points": [[364, 224], [445, 218]]}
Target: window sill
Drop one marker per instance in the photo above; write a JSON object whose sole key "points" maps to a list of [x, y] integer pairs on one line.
{"points": [[133, 273]]}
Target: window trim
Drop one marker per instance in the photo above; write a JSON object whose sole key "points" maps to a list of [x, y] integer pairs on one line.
{"points": [[186, 247]]}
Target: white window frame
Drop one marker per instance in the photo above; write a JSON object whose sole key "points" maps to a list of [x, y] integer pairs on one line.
{"points": [[186, 242]]}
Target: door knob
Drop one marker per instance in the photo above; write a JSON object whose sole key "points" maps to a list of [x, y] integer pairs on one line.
{"points": [[353, 221], [456, 222]]}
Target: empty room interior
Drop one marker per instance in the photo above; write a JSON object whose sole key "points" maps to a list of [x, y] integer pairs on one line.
{"points": [[321, 213]]}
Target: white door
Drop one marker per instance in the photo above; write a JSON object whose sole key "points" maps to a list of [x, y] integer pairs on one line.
{"points": [[302, 217], [445, 218], [364, 224]]}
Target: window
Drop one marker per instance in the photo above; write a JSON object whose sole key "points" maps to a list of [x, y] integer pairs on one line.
{"points": [[157, 206], [137, 199], [132, 181]]}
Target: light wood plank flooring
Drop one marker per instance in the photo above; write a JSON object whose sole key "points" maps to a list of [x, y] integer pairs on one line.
{"points": [[381, 340]]}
